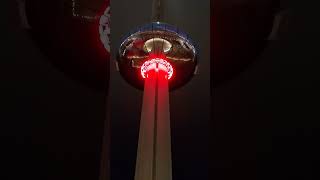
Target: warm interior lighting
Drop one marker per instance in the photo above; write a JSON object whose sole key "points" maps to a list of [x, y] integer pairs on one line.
{"points": [[157, 44]]}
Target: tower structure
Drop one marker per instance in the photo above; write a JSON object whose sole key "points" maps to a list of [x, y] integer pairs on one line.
{"points": [[156, 58]]}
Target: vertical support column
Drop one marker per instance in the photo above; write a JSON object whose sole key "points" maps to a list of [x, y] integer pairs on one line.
{"points": [[144, 163], [163, 144], [154, 148]]}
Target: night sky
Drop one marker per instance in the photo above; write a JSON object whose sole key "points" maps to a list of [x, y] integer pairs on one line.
{"points": [[263, 122]]}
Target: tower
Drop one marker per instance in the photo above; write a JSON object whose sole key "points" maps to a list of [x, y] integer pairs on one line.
{"points": [[156, 58]]}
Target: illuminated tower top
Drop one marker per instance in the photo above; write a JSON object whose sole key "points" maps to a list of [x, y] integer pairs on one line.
{"points": [[157, 43]]}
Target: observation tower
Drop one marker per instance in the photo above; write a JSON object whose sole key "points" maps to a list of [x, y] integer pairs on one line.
{"points": [[156, 58]]}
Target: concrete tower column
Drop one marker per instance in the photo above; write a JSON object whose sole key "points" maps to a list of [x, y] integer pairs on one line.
{"points": [[154, 148]]}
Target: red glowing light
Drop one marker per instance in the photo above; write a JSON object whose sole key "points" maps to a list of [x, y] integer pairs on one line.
{"points": [[156, 64]]}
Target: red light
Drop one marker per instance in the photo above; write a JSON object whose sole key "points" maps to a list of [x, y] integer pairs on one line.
{"points": [[156, 64]]}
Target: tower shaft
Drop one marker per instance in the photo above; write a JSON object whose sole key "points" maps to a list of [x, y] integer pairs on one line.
{"points": [[154, 148]]}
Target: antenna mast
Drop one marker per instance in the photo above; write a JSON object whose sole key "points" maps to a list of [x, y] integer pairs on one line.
{"points": [[157, 11]]}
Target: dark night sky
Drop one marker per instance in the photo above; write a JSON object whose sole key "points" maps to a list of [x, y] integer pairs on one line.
{"points": [[264, 124], [265, 119]]}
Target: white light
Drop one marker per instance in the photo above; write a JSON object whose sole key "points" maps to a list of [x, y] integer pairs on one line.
{"points": [[157, 43]]}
